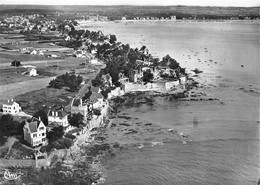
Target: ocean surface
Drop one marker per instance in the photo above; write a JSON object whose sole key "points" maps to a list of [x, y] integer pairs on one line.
{"points": [[223, 148]]}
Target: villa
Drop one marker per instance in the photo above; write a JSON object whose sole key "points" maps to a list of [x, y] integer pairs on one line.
{"points": [[58, 117], [11, 107], [35, 132]]}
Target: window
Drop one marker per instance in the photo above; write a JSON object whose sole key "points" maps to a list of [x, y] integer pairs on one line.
{"points": [[34, 135], [43, 139], [43, 134], [41, 128]]}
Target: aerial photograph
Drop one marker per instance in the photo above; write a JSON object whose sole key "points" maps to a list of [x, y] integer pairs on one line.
{"points": [[129, 92]]}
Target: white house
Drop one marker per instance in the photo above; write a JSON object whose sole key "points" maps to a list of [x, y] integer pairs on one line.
{"points": [[11, 107], [35, 132], [59, 116], [80, 53], [183, 79], [94, 61], [30, 72], [34, 52]]}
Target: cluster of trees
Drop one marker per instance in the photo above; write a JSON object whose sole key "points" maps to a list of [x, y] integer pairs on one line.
{"points": [[170, 62], [57, 140], [43, 115], [55, 134], [16, 63], [147, 76], [76, 120], [9, 126], [69, 80], [120, 58]]}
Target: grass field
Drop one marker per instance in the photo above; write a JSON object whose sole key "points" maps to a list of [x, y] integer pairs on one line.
{"points": [[46, 97], [14, 55]]}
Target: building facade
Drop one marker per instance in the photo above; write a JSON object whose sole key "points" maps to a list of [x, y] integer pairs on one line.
{"points": [[11, 107], [35, 132]]}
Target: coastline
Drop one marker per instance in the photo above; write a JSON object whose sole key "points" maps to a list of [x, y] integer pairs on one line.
{"points": [[96, 143], [82, 23]]}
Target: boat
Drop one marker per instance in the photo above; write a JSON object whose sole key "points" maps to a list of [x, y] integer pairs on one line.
{"points": [[195, 121], [183, 135]]}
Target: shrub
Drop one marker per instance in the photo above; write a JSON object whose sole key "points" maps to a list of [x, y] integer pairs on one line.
{"points": [[70, 136], [16, 63]]}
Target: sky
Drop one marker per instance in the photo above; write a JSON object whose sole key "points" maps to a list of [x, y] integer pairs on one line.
{"points": [[242, 3]]}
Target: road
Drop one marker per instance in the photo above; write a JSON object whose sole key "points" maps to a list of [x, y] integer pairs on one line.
{"points": [[83, 90]]}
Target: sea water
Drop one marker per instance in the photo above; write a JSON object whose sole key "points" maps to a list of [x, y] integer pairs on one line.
{"points": [[224, 145]]}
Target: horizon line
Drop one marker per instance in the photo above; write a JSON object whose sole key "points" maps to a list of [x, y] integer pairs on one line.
{"points": [[257, 6]]}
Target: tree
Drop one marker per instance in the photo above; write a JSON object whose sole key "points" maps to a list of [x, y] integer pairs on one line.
{"points": [[8, 126], [20, 128], [76, 120], [147, 76], [43, 115], [170, 62], [97, 82], [55, 134], [16, 63], [112, 39], [155, 62]]}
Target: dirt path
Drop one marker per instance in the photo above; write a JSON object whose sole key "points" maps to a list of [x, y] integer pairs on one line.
{"points": [[9, 91], [9, 143], [83, 90]]}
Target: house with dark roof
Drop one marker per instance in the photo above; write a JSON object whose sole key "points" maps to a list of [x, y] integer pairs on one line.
{"points": [[11, 107], [59, 116], [34, 132], [96, 99]]}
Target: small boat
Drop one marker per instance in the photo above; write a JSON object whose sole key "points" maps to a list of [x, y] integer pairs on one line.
{"points": [[195, 122], [183, 135]]}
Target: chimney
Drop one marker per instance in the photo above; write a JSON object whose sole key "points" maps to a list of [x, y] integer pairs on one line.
{"points": [[52, 113], [12, 100], [57, 114], [8, 101], [39, 118]]}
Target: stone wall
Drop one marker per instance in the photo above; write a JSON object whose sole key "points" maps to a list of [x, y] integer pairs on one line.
{"points": [[171, 84], [17, 162]]}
